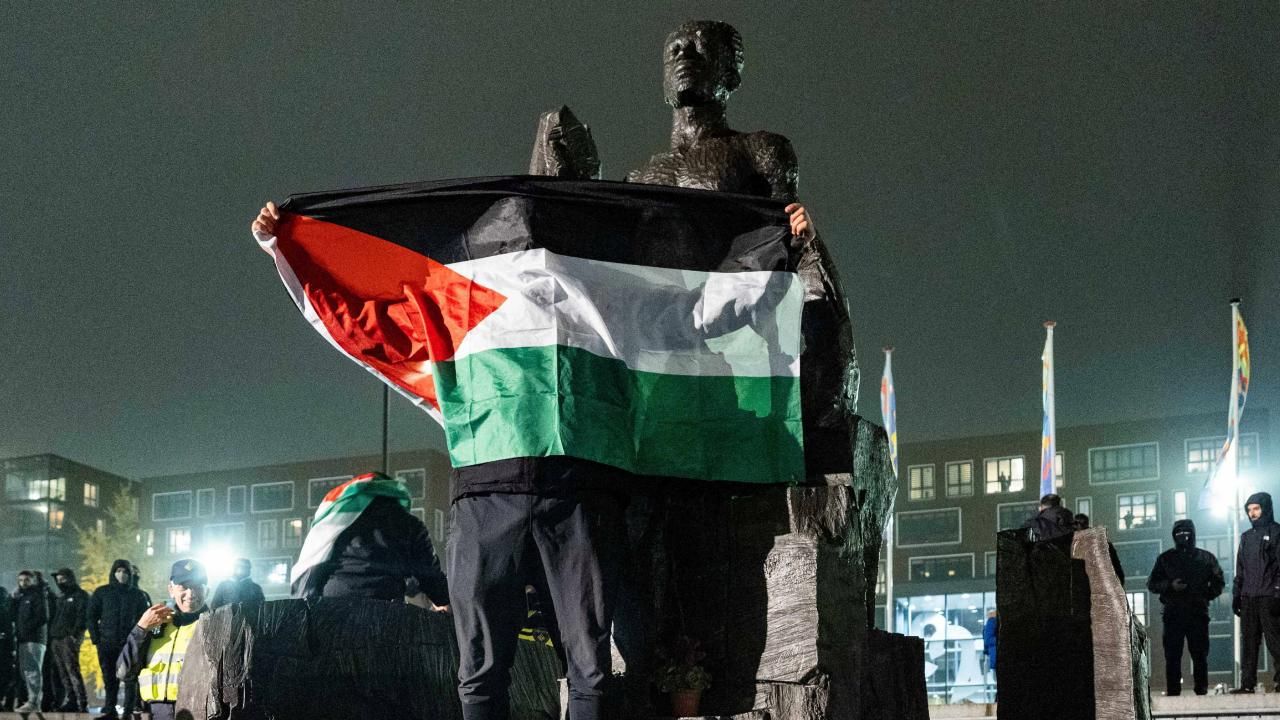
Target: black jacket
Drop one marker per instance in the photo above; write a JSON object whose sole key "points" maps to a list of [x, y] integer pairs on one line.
{"points": [[1051, 523], [31, 618], [1258, 559], [244, 590], [379, 551], [70, 614], [114, 610], [6, 625], [1198, 568]]}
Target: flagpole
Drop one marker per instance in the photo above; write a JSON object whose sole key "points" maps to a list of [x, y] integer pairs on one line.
{"points": [[386, 429], [886, 410], [1233, 418], [1048, 440]]}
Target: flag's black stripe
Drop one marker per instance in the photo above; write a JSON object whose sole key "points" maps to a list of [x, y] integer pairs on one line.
{"points": [[454, 220]]}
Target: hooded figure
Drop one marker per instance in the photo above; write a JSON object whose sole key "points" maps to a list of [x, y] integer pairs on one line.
{"points": [[1255, 591], [1187, 579], [114, 609], [66, 632], [1053, 520]]}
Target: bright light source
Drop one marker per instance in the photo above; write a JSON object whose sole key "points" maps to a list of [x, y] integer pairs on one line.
{"points": [[219, 562]]}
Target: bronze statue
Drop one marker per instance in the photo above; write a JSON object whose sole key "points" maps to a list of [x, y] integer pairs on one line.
{"points": [[702, 65]]}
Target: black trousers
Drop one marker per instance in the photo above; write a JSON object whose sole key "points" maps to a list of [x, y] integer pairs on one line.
{"points": [[1189, 625], [1257, 622], [498, 543], [107, 656], [66, 658]]}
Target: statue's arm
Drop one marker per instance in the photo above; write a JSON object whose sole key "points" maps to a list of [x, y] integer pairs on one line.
{"points": [[564, 148]]}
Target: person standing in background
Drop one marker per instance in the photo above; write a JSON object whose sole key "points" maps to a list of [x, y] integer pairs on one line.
{"points": [[1187, 579], [1255, 591], [66, 633], [8, 671], [31, 628], [114, 609]]}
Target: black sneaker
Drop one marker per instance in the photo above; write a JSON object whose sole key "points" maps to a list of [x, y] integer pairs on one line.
{"points": [[1240, 691]]}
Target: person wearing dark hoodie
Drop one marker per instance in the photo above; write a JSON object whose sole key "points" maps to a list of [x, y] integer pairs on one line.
{"points": [[1053, 520], [114, 610], [8, 674], [31, 626], [1187, 579], [66, 632], [1255, 590]]}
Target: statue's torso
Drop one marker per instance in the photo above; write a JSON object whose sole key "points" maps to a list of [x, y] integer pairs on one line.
{"points": [[758, 163]]}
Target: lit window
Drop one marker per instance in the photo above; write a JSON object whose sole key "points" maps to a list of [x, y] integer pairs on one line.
{"points": [[204, 502], [100, 525], [271, 571], [1124, 463], [149, 542], [1202, 453], [920, 482], [268, 534], [1005, 475], [91, 494], [56, 516], [1138, 604], [1139, 510], [1059, 474], [960, 478], [179, 540], [882, 582], [293, 532], [1180, 505]]}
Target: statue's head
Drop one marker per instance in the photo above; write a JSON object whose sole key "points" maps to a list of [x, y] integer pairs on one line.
{"points": [[701, 63]]}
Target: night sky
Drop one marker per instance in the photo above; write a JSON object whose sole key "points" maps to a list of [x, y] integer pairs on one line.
{"points": [[975, 170]]}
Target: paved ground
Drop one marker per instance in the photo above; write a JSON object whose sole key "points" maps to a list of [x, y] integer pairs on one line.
{"points": [[1187, 707]]}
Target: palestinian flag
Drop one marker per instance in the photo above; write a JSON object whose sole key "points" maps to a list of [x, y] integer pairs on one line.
{"points": [[340, 507], [649, 328]]}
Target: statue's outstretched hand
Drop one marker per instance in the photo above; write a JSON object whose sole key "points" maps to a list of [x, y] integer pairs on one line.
{"points": [[801, 221], [267, 218]]}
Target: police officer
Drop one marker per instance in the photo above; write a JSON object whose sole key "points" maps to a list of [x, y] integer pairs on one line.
{"points": [[1187, 580], [157, 645]]}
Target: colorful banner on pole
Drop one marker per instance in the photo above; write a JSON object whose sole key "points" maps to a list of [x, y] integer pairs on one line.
{"points": [[1048, 429], [649, 328], [889, 408], [1239, 392]]}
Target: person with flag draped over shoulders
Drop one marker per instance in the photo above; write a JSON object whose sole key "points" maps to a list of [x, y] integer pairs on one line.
{"points": [[364, 542], [156, 647]]}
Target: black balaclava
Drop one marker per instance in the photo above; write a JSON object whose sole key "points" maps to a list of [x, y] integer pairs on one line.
{"points": [[1184, 534], [1263, 499]]}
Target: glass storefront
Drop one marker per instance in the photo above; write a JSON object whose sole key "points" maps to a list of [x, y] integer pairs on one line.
{"points": [[955, 668]]}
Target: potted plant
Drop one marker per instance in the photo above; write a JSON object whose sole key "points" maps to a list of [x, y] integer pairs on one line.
{"points": [[682, 676]]}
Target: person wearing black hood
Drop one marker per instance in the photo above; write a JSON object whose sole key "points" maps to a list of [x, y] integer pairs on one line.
{"points": [[114, 609], [1255, 591], [8, 674], [32, 626], [66, 632], [1187, 579], [1053, 520]]}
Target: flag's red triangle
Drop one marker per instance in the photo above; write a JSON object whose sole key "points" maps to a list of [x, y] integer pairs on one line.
{"points": [[388, 306]]}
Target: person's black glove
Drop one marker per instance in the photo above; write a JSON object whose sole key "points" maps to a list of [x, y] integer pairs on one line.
{"points": [[1235, 605]]}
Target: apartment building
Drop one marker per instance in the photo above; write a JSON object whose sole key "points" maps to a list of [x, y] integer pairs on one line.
{"points": [[263, 513], [1133, 478]]}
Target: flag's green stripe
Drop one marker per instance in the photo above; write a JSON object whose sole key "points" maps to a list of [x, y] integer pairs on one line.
{"points": [[506, 403]]}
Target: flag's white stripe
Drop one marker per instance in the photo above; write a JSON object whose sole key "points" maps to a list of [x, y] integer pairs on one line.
{"points": [[319, 543], [675, 322], [294, 286]]}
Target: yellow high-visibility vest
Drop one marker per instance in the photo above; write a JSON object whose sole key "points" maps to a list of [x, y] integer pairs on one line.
{"points": [[158, 681]]}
